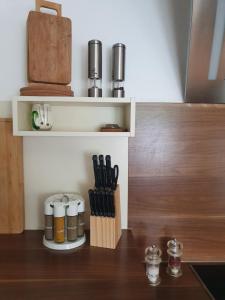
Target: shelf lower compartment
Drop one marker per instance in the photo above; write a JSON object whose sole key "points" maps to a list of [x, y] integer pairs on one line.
{"points": [[76, 116]]}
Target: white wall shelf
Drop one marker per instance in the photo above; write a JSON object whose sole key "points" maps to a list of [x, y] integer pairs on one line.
{"points": [[76, 116]]}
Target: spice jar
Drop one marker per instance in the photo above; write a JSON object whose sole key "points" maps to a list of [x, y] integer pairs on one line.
{"points": [[153, 260], [72, 216], [175, 251], [59, 222], [48, 220], [80, 218]]}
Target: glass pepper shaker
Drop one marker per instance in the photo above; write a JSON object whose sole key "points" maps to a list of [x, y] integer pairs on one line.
{"points": [[175, 251], [153, 260]]}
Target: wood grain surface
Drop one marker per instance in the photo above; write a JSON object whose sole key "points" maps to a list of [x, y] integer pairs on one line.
{"points": [[11, 180], [106, 232], [86, 273], [49, 48], [45, 89], [177, 178]]}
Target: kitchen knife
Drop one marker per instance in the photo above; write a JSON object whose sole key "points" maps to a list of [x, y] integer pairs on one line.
{"points": [[102, 175], [99, 203], [99, 177], [112, 205], [108, 170], [103, 202], [91, 199], [95, 167], [96, 204], [108, 203], [115, 175]]}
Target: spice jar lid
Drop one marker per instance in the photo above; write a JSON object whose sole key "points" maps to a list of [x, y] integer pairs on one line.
{"points": [[72, 209], [80, 206], [59, 209], [174, 247], [153, 254], [48, 208]]}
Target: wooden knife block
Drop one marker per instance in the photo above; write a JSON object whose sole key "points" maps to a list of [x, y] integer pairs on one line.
{"points": [[105, 232]]}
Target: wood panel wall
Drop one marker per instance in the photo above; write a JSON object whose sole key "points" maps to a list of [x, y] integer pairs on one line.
{"points": [[11, 180], [177, 178]]}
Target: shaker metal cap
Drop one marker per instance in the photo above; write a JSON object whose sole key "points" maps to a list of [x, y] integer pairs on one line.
{"points": [[48, 207], [175, 247], [72, 209], [59, 209], [153, 252], [81, 207], [119, 45], [94, 42]]}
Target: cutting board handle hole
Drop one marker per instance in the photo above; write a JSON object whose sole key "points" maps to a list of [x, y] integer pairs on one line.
{"points": [[48, 11], [49, 7]]}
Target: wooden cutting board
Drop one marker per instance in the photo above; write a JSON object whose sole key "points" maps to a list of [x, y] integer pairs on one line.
{"points": [[11, 180], [49, 45], [45, 89]]}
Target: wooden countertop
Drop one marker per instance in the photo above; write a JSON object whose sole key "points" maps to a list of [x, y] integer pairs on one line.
{"points": [[30, 271]]}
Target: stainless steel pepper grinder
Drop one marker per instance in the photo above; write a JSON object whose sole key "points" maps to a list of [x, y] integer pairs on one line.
{"points": [[118, 70], [95, 68]]}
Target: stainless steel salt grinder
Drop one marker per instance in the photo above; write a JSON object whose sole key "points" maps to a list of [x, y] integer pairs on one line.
{"points": [[81, 218], [95, 68], [72, 219], [118, 70], [48, 220]]}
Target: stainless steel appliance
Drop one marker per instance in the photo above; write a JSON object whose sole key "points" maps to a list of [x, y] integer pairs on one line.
{"points": [[95, 68], [118, 70], [206, 59]]}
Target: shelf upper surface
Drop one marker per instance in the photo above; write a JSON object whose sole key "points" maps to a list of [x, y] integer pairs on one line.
{"points": [[72, 99]]}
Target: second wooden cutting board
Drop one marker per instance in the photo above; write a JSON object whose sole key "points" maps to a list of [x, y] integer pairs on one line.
{"points": [[49, 45], [11, 180]]}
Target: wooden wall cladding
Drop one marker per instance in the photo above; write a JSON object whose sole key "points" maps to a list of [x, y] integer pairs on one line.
{"points": [[177, 178], [11, 180]]}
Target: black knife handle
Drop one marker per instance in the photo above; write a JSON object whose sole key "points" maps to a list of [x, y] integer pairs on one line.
{"points": [[104, 179], [99, 177], [99, 203], [102, 171], [101, 160], [108, 203], [108, 161], [95, 167], [108, 171], [112, 204], [91, 199], [115, 175], [104, 204]]}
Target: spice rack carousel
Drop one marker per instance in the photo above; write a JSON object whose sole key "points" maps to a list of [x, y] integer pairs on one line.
{"points": [[64, 222]]}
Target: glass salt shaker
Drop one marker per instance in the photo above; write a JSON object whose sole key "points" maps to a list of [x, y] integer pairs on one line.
{"points": [[153, 260], [175, 251]]}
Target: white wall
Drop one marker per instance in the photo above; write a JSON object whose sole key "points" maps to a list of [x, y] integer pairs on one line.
{"points": [[60, 165], [155, 33]]}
